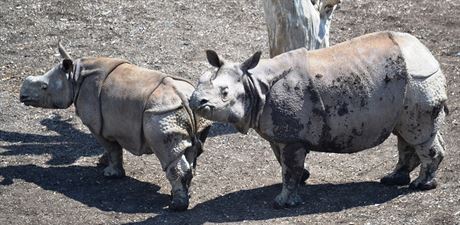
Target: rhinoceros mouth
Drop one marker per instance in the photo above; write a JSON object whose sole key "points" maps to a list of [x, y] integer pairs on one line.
{"points": [[205, 110], [28, 101]]}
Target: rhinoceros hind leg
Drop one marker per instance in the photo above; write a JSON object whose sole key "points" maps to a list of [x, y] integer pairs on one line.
{"points": [[178, 204], [292, 161], [408, 161], [431, 154], [113, 157], [179, 174], [305, 176], [168, 138]]}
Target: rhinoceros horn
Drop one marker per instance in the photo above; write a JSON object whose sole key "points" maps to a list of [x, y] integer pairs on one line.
{"points": [[63, 52]]}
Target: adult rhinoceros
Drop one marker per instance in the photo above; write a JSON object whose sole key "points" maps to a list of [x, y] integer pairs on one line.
{"points": [[125, 106], [342, 99]]}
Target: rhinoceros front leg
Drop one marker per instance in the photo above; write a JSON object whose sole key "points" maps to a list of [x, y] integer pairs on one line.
{"points": [[408, 161], [112, 158], [103, 159], [292, 157], [276, 150]]}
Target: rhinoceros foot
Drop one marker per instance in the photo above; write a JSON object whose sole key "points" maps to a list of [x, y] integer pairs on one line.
{"points": [[423, 186], [179, 204], [396, 178], [114, 172], [290, 201]]}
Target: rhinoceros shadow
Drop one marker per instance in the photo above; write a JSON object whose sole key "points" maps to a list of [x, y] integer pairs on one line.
{"points": [[256, 204], [68, 146], [87, 185]]}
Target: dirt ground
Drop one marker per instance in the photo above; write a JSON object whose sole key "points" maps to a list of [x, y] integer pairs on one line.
{"points": [[48, 172]]}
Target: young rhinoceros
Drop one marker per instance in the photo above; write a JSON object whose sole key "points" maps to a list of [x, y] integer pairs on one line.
{"points": [[125, 106], [341, 99]]}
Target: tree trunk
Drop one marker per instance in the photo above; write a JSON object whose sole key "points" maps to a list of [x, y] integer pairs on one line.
{"points": [[295, 24]]}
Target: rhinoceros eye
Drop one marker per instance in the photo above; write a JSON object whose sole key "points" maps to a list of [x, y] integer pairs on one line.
{"points": [[44, 86], [224, 92]]}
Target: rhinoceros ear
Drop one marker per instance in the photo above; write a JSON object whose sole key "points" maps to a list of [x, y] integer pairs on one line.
{"points": [[67, 65], [251, 62], [213, 58]]}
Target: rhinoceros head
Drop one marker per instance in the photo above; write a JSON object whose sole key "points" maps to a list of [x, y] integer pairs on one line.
{"points": [[51, 90], [221, 95]]}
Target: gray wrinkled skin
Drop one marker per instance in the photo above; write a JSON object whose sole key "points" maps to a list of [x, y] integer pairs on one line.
{"points": [[341, 99], [127, 107]]}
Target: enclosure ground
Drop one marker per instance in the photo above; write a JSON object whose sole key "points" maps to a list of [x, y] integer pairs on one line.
{"points": [[48, 172]]}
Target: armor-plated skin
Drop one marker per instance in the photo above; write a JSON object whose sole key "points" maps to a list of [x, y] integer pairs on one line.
{"points": [[125, 106], [341, 99]]}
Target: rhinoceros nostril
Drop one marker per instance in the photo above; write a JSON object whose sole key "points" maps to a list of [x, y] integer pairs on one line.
{"points": [[203, 101], [23, 97]]}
